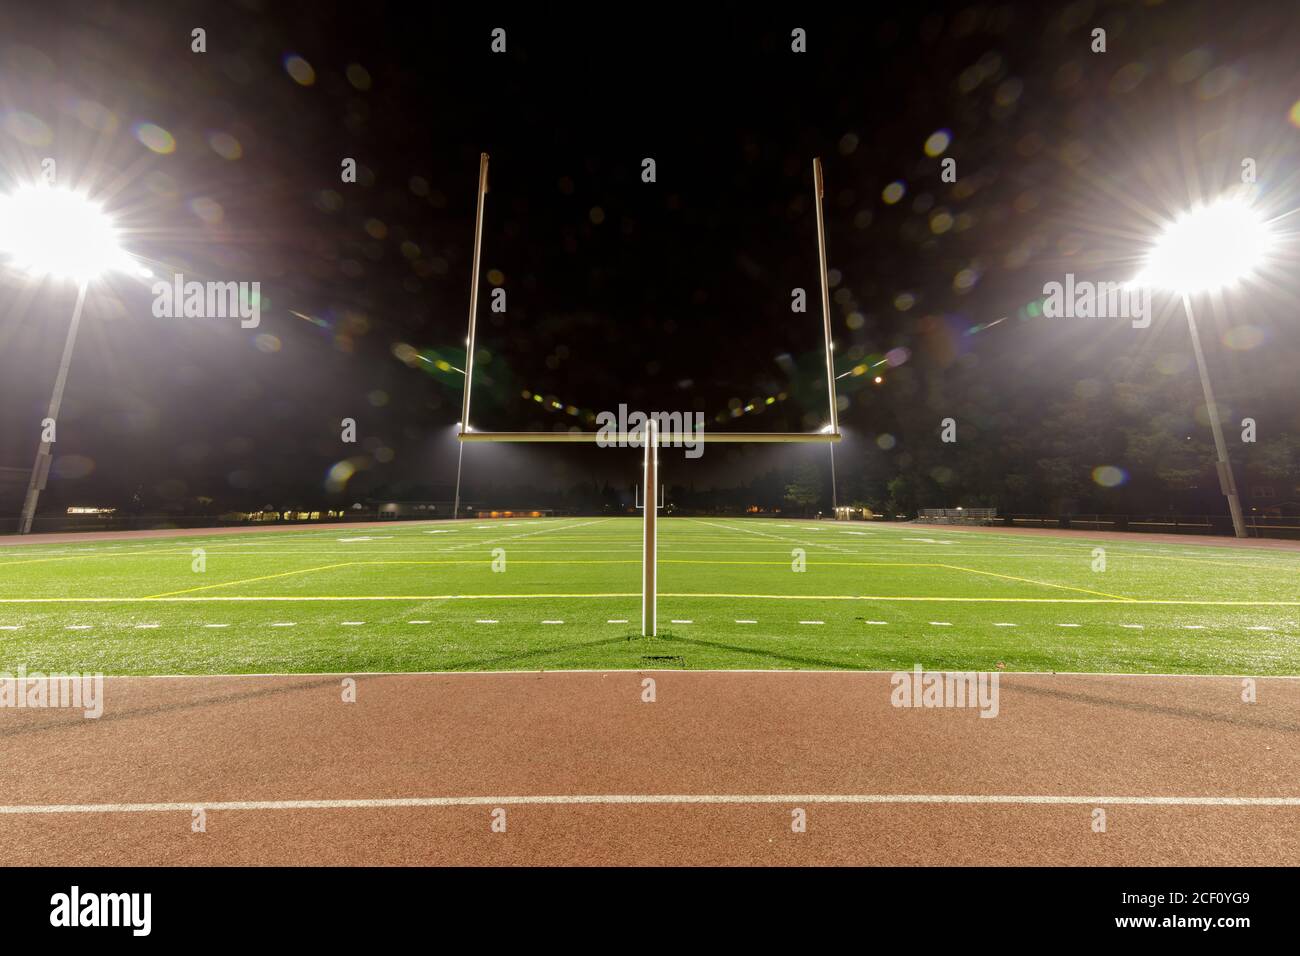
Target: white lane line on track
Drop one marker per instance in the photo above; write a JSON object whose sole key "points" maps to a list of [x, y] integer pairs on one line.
{"points": [[660, 799]]}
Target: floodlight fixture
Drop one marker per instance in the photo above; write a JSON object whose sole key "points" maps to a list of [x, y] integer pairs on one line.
{"points": [[1207, 248], [48, 230]]}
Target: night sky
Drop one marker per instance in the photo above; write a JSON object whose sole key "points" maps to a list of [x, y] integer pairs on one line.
{"points": [[671, 295]]}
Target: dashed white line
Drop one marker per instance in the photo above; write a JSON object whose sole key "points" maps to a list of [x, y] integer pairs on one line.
{"points": [[216, 625], [145, 626], [419, 622], [352, 623], [677, 620], [1069, 625], [1259, 628], [875, 622], [1136, 627], [1005, 624], [284, 624], [1193, 627], [812, 622], [616, 621], [552, 622], [487, 621], [744, 621], [942, 623], [78, 627], [9, 627]]}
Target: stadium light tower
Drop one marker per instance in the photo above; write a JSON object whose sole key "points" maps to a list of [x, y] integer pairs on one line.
{"points": [[1209, 248], [48, 231]]}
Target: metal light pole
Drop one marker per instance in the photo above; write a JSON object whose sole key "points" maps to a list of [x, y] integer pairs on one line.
{"points": [[1209, 247], [1226, 481], [44, 456]]}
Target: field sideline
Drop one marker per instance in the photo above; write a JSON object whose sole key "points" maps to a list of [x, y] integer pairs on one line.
{"points": [[424, 597]]}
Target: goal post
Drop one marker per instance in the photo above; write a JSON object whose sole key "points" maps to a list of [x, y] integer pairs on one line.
{"points": [[648, 436]]}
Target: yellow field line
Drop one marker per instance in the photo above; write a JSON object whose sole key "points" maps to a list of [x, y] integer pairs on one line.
{"points": [[265, 577], [1046, 584]]}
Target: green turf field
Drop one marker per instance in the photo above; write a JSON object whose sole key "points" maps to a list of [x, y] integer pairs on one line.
{"points": [[425, 597]]}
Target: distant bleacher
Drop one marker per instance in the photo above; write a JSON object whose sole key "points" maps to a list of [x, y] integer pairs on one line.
{"points": [[957, 515]]}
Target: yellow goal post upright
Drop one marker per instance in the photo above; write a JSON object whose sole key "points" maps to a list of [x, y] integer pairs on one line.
{"points": [[648, 436]]}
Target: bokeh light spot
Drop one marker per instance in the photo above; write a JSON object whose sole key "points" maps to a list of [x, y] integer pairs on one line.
{"points": [[155, 138], [299, 69], [937, 143]]}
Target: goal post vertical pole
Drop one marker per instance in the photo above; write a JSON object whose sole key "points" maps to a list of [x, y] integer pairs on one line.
{"points": [[819, 190], [649, 565], [473, 289]]}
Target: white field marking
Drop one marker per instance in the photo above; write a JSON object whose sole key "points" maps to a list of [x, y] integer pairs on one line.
{"points": [[740, 621], [1131, 602], [1136, 627], [1193, 627], [9, 627], [942, 623], [352, 623], [1069, 625], [1259, 628], [216, 625], [812, 622], [552, 622], [78, 627], [384, 537], [486, 621], [440, 531], [702, 671], [681, 621], [875, 622], [284, 623], [658, 799], [1005, 624], [616, 621], [419, 622], [145, 626]]}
